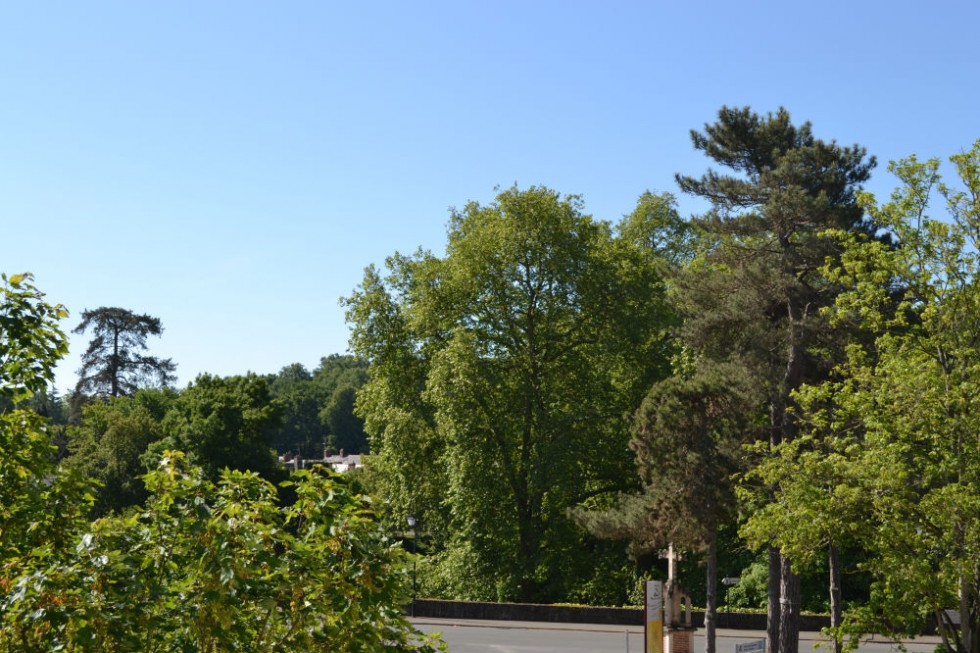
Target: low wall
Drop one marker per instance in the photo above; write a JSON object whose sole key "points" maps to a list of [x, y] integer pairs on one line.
{"points": [[587, 615]]}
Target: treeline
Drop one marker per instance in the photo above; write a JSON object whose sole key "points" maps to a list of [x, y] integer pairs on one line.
{"points": [[783, 387], [208, 558], [239, 422]]}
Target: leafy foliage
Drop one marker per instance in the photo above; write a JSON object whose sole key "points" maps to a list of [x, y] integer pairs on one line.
{"points": [[218, 567], [910, 396], [225, 422], [318, 407], [31, 342], [502, 378], [346, 429], [110, 442], [204, 566]]}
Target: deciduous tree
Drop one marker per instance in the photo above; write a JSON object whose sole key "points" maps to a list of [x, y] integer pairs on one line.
{"points": [[110, 441], [225, 422], [345, 429], [913, 390], [502, 380], [203, 566], [31, 341]]}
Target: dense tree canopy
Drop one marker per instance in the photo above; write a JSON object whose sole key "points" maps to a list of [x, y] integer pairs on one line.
{"points": [[345, 429], [900, 423], [318, 407], [225, 422], [110, 441], [502, 378]]}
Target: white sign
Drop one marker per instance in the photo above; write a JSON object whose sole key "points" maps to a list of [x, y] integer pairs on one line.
{"points": [[755, 646]]}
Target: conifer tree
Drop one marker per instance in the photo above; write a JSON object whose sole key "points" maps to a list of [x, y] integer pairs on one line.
{"points": [[756, 296], [114, 363]]}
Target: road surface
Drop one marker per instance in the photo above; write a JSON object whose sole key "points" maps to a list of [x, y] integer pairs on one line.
{"points": [[474, 636]]}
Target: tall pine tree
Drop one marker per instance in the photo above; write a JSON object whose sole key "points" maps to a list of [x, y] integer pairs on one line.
{"points": [[756, 296], [114, 363]]}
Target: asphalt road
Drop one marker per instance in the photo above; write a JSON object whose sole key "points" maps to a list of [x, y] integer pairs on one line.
{"points": [[472, 636]]}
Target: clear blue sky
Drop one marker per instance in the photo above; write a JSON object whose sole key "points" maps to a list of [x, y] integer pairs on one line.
{"points": [[232, 167]]}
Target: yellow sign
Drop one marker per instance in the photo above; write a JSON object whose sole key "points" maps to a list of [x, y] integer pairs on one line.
{"points": [[653, 621]]}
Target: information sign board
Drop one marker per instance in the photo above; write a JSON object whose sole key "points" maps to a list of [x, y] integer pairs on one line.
{"points": [[653, 620]]}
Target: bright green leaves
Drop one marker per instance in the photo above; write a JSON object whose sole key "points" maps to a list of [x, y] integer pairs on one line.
{"points": [[205, 565], [219, 567], [31, 342], [502, 377], [894, 444], [39, 506]]}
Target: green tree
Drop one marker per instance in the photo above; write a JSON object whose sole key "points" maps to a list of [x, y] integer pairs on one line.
{"points": [[39, 506], [111, 440], [225, 423], [818, 507], [913, 393], [314, 406], [219, 566], [302, 400], [337, 370], [345, 428], [687, 439], [202, 567], [756, 295], [31, 342], [501, 383], [114, 363]]}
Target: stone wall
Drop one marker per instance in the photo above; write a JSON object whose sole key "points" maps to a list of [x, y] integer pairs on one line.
{"points": [[586, 615]]}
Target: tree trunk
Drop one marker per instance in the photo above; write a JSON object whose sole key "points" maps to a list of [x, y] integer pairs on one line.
{"points": [[833, 561], [968, 617], [711, 594], [789, 608], [528, 540], [772, 603], [789, 582]]}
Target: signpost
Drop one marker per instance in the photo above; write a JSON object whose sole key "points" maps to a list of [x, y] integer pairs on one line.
{"points": [[653, 618]]}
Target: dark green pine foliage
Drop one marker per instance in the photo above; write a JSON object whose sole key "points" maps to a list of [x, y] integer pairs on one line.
{"points": [[756, 296], [688, 437], [114, 363]]}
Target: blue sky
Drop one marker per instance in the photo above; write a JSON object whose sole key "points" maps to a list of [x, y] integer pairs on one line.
{"points": [[232, 167]]}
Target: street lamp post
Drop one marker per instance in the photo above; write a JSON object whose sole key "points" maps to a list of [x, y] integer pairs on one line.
{"points": [[729, 583], [411, 524]]}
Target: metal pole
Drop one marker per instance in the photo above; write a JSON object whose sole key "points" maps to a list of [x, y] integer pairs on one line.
{"points": [[411, 524]]}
